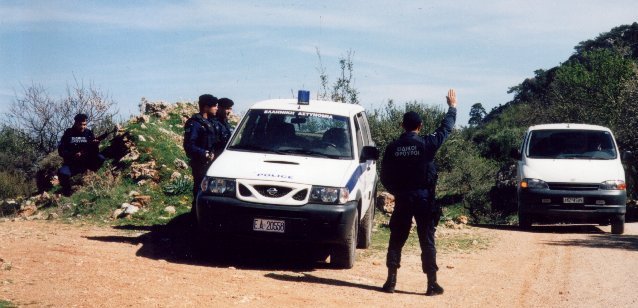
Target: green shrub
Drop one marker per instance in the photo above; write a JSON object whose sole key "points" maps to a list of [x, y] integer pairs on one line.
{"points": [[178, 186], [12, 185]]}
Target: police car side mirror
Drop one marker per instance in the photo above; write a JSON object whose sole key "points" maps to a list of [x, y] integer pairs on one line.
{"points": [[369, 153], [515, 154], [627, 156]]}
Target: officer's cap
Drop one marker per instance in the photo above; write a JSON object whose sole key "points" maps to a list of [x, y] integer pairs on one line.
{"points": [[411, 120], [207, 100], [226, 102]]}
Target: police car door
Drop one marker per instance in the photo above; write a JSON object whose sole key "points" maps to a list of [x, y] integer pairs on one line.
{"points": [[369, 174]]}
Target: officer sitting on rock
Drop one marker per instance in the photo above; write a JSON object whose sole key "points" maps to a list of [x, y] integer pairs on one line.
{"points": [[200, 139], [80, 151], [409, 173]]}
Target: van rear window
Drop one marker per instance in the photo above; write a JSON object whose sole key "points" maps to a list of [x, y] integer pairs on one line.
{"points": [[571, 144]]}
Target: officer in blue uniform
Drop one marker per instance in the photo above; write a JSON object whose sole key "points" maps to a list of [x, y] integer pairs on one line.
{"points": [[200, 139], [80, 151], [225, 108], [409, 173]]}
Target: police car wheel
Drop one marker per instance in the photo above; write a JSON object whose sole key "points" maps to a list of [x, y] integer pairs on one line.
{"points": [[524, 221], [343, 255], [618, 224]]}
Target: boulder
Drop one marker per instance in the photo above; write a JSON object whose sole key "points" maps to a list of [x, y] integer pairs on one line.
{"points": [[170, 210], [9, 207], [27, 210], [143, 200], [180, 164], [463, 220], [175, 175], [117, 213], [385, 202]]}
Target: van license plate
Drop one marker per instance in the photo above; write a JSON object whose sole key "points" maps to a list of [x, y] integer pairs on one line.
{"points": [[269, 225], [574, 200]]}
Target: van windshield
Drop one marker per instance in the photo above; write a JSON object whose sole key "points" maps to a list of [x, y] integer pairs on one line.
{"points": [[571, 144], [294, 133]]}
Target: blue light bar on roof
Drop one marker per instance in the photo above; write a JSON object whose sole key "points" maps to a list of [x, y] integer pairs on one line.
{"points": [[303, 97]]}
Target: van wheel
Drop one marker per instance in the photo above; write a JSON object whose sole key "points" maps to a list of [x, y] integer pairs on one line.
{"points": [[364, 239], [618, 224], [343, 255], [524, 221]]}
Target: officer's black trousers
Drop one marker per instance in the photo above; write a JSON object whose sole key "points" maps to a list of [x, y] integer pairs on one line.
{"points": [[419, 205], [199, 171]]}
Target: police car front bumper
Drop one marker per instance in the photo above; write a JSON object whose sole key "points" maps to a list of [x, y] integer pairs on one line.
{"points": [[317, 223], [572, 204]]}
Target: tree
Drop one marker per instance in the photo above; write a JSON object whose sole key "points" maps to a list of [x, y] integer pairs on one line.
{"points": [[477, 113], [41, 119], [342, 89]]}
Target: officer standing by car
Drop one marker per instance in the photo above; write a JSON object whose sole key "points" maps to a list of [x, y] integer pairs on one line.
{"points": [[200, 139], [225, 108], [409, 173], [80, 151]]}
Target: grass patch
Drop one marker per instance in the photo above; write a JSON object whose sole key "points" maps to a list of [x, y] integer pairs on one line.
{"points": [[7, 304], [447, 240]]}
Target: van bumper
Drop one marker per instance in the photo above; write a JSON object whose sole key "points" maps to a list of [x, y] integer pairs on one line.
{"points": [[316, 223], [552, 203]]}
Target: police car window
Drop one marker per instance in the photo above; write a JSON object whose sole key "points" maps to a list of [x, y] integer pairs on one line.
{"points": [[358, 125], [365, 129], [294, 132]]}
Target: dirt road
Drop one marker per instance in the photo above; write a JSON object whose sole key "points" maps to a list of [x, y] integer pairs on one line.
{"points": [[62, 265]]}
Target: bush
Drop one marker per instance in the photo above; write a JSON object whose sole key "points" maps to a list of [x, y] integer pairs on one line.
{"points": [[12, 185]]}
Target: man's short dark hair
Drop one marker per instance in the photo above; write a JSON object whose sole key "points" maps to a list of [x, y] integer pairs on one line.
{"points": [[411, 120], [80, 117], [226, 102], [207, 100]]}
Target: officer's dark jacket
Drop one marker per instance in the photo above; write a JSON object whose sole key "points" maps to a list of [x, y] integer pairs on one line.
{"points": [[408, 162], [225, 130], [73, 141], [200, 136]]}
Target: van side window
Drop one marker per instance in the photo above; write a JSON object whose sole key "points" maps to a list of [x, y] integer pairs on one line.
{"points": [[359, 132]]}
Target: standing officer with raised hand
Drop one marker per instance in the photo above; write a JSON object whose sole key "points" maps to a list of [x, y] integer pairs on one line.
{"points": [[409, 173], [200, 139]]}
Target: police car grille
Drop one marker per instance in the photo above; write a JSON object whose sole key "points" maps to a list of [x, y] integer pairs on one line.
{"points": [[243, 190], [264, 191], [301, 195], [573, 186]]}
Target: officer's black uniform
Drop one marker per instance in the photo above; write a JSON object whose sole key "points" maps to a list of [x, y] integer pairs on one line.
{"points": [[75, 141], [409, 173], [222, 125], [200, 139]]}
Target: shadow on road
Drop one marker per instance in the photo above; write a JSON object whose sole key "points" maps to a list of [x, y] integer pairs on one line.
{"points": [[609, 241], [563, 229], [176, 242], [308, 278]]}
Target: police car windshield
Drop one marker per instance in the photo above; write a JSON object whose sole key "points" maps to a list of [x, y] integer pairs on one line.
{"points": [[294, 132], [571, 144]]}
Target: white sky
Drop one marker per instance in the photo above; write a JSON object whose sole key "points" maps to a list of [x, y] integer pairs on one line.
{"points": [[254, 50]]}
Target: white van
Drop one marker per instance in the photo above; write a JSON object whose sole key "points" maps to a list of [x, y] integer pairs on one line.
{"points": [[571, 172], [295, 170]]}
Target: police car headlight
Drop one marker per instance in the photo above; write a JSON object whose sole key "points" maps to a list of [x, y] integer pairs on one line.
{"points": [[613, 185], [219, 186], [332, 195], [534, 184]]}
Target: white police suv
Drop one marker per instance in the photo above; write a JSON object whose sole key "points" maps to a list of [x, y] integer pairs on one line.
{"points": [[295, 170]]}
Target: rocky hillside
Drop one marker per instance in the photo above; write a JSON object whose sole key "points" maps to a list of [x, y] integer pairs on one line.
{"points": [[145, 178]]}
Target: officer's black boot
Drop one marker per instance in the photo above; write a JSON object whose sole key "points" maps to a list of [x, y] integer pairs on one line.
{"points": [[391, 282], [433, 287]]}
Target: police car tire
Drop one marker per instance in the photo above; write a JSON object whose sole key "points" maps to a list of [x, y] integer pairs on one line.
{"points": [[524, 221], [343, 255], [364, 239], [618, 224]]}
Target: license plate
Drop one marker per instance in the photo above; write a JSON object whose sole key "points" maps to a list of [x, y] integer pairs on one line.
{"points": [[574, 200], [269, 225]]}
